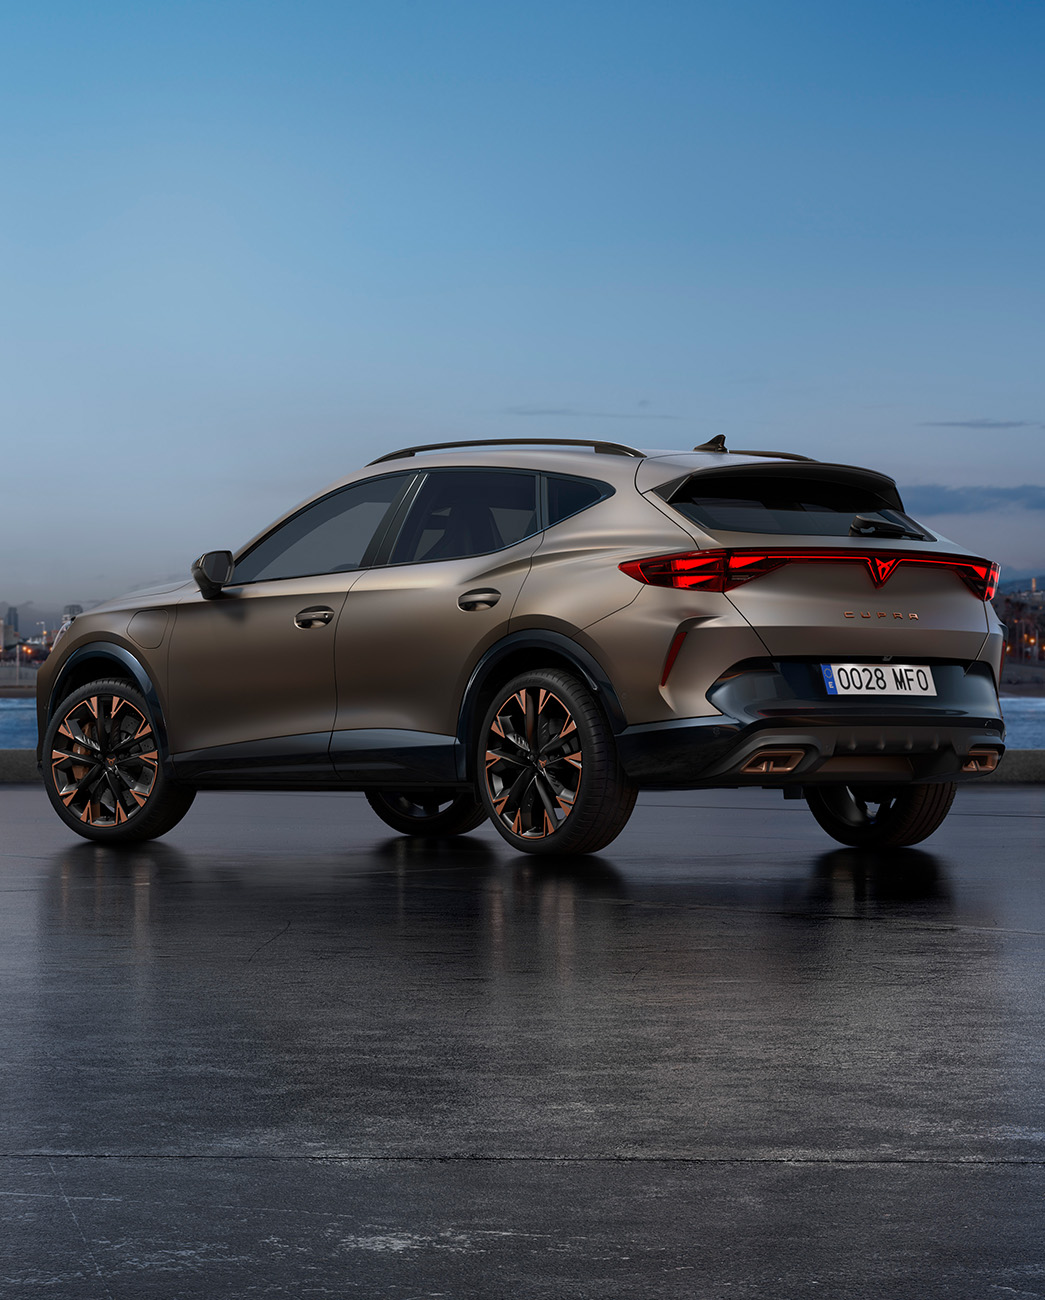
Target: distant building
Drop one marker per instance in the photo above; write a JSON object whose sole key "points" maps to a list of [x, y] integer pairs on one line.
{"points": [[12, 619], [71, 611]]}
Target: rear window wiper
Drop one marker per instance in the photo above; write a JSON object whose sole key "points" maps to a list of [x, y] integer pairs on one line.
{"points": [[868, 526]]}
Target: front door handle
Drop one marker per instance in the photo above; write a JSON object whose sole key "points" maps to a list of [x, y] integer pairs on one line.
{"points": [[480, 599], [313, 615]]}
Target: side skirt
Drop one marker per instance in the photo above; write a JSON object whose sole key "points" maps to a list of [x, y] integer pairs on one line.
{"points": [[345, 760]]}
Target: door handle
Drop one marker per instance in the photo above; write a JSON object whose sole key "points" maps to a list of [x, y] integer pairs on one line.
{"points": [[313, 615], [480, 599]]}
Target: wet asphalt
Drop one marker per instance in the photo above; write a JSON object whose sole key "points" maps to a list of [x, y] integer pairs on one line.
{"points": [[287, 1053]]}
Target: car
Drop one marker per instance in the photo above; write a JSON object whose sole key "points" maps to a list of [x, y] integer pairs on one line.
{"points": [[531, 631]]}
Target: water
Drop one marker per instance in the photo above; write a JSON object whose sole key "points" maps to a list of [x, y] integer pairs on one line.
{"points": [[1024, 721], [18, 724]]}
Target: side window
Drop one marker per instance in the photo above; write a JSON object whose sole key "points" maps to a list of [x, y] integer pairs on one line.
{"points": [[467, 512], [568, 496], [329, 536]]}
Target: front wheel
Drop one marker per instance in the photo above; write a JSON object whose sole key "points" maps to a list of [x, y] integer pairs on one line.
{"points": [[427, 812], [102, 769], [887, 817], [550, 776]]}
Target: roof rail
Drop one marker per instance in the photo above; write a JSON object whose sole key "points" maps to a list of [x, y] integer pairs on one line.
{"points": [[718, 445], [608, 448]]}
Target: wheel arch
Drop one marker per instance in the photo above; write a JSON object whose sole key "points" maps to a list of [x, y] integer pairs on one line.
{"points": [[101, 659], [522, 652]]}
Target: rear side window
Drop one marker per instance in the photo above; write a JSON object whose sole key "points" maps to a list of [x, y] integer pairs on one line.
{"points": [[467, 512], [771, 504], [330, 536], [568, 496]]}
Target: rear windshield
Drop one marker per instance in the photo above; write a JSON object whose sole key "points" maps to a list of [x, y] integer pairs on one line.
{"points": [[770, 504]]}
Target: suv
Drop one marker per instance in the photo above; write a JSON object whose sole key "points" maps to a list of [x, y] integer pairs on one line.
{"points": [[534, 630]]}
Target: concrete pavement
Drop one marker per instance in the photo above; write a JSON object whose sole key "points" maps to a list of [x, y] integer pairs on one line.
{"points": [[284, 1052]]}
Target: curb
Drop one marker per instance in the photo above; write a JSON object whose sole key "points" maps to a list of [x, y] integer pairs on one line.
{"points": [[1018, 767], [18, 766]]}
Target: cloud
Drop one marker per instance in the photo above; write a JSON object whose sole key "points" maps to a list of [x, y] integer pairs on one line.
{"points": [[574, 413], [934, 499], [981, 424]]}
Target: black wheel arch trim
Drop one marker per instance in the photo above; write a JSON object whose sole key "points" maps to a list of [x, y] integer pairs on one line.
{"points": [[116, 654], [585, 663]]}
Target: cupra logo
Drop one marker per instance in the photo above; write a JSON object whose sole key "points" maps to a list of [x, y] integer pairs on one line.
{"points": [[880, 568], [878, 613]]}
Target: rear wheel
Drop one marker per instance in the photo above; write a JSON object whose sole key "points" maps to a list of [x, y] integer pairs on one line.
{"points": [[551, 779], [427, 812], [102, 769], [880, 816]]}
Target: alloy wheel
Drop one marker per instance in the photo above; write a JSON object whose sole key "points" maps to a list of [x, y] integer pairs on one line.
{"points": [[432, 811], [872, 816], [534, 766], [104, 760]]}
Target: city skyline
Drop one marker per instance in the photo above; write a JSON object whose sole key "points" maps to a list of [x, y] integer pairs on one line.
{"points": [[248, 248]]}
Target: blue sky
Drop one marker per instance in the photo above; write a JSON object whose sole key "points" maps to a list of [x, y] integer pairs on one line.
{"points": [[245, 247]]}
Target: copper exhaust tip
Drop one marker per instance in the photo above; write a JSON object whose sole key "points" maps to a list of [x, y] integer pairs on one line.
{"points": [[765, 762]]}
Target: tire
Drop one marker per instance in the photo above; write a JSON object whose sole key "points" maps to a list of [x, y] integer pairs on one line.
{"points": [[427, 812], [102, 767], [887, 817], [549, 774]]}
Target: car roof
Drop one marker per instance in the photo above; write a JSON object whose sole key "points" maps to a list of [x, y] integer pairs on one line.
{"points": [[622, 467], [611, 462], [617, 466]]}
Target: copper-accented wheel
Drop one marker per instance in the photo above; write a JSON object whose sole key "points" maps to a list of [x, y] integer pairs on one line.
{"points": [[102, 769], [550, 776]]}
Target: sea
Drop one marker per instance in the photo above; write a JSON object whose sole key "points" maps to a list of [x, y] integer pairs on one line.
{"points": [[1024, 722]]}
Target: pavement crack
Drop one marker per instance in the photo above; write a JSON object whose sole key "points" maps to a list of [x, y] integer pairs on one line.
{"points": [[271, 939], [79, 1229]]}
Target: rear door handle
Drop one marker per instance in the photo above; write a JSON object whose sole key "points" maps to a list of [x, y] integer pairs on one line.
{"points": [[479, 599], [313, 615]]}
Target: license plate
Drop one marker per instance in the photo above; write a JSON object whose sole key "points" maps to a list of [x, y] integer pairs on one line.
{"points": [[878, 679]]}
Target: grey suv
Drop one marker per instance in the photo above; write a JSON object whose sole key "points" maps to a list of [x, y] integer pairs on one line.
{"points": [[532, 632]]}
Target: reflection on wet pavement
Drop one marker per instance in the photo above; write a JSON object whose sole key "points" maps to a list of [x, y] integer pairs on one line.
{"points": [[281, 982]]}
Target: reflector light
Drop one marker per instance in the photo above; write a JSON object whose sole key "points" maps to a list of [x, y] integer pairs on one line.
{"points": [[724, 570], [673, 654]]}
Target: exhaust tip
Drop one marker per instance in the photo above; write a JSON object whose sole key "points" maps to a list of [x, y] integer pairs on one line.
{"points": [[773, 762], [981, 760]]}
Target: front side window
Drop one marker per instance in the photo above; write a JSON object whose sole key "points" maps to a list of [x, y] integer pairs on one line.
{"points": [[330, 536], [467, 512]]}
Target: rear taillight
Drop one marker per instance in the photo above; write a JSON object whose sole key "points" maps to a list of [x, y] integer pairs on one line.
{"points": [[724, 570], [695, 569], [988, 582]]}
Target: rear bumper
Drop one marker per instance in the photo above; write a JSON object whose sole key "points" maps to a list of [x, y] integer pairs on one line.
{"points": [[780, 706]]}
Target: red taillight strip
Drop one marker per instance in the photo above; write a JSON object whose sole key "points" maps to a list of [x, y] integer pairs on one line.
{"points": [[721, 570]]}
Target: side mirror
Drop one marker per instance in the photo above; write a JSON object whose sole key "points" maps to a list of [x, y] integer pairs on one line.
{"points": [[212, 572]]}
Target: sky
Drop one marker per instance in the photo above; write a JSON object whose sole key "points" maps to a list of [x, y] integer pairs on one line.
{"points": [[246, 247]]}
